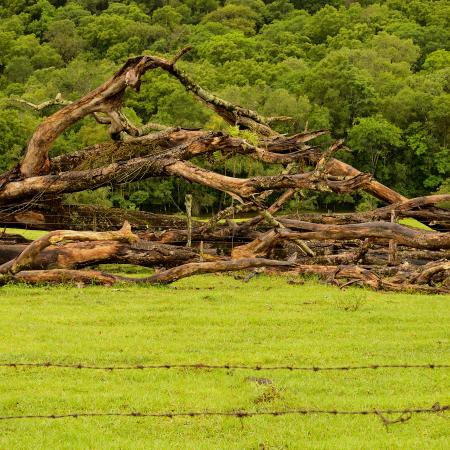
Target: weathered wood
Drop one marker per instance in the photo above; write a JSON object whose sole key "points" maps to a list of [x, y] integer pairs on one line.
{"points": [[63, 276], [30, 253], [151, 166], [165, 277], [107, 99], [186, 270], [426, 274], [404, 235], [81, 254]]}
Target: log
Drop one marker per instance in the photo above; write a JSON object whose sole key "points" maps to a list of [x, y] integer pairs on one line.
{"points": [[59, 276], [30, 253], [63, 276], [186, 270], [82, 254], [139, 168], [410, 237], [426, 274]]}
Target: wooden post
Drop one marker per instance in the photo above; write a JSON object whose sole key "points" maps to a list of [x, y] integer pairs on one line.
{"points": [[392, 257], [201, 251], [188, 204]]}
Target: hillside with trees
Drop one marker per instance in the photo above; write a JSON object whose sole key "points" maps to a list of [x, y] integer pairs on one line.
{"points": [[374, 73]]}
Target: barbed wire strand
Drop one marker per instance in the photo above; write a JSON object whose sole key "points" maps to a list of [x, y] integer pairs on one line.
{"points": [[404, 414], [49, 364]]}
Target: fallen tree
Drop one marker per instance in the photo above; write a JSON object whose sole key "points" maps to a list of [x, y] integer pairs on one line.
{"points": [[359, 247]]}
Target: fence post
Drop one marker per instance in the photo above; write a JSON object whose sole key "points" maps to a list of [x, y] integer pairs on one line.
{"points": [[392, 256], [188, 204], [201, 251]]}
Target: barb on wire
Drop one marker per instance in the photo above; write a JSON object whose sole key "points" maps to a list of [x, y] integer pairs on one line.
{"points": [[405, 414], [402, 418], [223, 366]]}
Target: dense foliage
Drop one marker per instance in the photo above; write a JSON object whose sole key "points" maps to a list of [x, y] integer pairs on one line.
{"points": [[374, 72]]}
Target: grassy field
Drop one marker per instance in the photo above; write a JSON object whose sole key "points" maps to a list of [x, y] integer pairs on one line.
{"points": [[217, 319]]}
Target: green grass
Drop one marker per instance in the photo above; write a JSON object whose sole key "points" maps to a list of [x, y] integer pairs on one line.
{"points": [[217, 319], [29, 234], [410, 222]]}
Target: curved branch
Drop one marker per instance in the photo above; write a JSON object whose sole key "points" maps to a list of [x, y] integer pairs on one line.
{"points": [[186, 270], [247, 187], [107, 98]]}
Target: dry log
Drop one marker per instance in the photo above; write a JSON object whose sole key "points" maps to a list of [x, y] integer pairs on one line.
{"points": [[375, 230], [331, 273], [426, 274], [64, 276], [258, 247], [352, 274], [169, 276], [30, 253], [81, 254], [186, 270], [406, 236]]}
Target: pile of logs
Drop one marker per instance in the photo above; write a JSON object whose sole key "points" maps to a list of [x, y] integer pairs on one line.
{"points": [[369, 248]]}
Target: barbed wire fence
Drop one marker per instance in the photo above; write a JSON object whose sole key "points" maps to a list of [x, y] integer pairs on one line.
{"points": [[403, 414], [49, 364]]}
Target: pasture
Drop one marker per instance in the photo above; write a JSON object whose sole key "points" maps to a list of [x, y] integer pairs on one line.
{"points": [[218, 320]]}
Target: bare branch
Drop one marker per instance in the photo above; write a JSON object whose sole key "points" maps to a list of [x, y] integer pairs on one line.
{"points": [[58, 100]]}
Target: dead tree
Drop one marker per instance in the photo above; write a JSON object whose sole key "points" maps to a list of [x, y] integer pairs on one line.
{"points": [[347, 246]]}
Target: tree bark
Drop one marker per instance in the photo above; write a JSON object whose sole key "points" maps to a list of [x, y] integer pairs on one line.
{"points": [[82, 254]]}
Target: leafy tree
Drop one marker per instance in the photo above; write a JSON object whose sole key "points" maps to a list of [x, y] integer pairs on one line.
{"points": [[167, 17], [62, 35], [373, 139], [278, 9], [440, 59], [236, 16], [15, 129], [344, 89]]}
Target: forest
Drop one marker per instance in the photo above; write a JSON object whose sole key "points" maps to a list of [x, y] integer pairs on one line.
{"points": [[375, 73]]}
